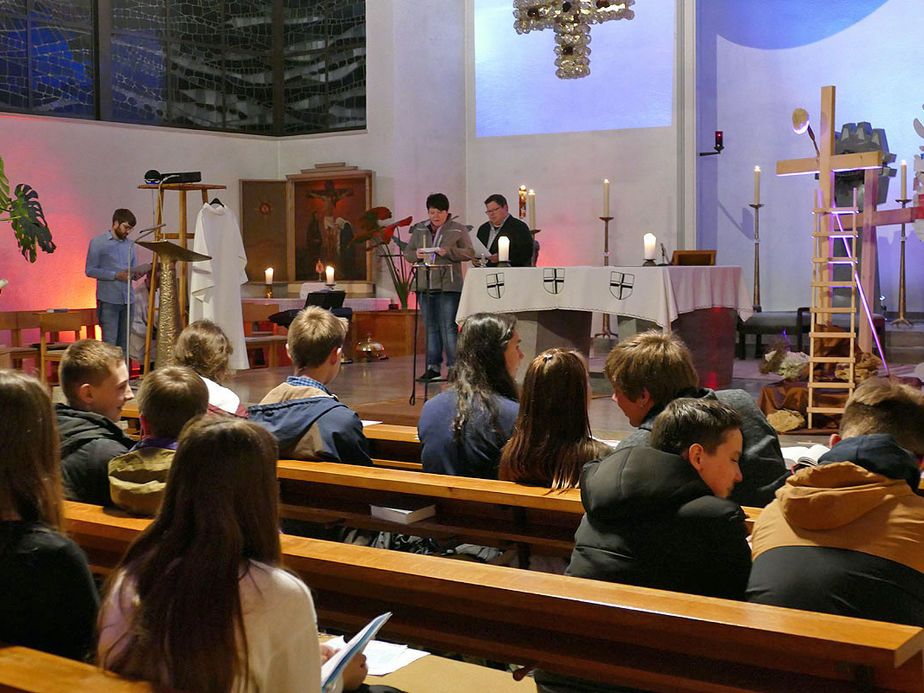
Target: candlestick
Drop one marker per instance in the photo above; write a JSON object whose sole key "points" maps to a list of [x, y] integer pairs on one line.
{"points": [[268, 275], [904, 179], [521, 193], [329, 271], [756, 207], [503, 249], [757, 185], [651, 243], [606, 332], [606, 197], [532, 209]]}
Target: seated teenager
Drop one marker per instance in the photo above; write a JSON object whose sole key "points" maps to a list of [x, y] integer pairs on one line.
{"points": [[94, 379], [200, 602], [204, 347], [650, 369], [660, 516], [47, 597], [551, 439], [846, 536], [308, 421], [168, 399], [463, 429]]}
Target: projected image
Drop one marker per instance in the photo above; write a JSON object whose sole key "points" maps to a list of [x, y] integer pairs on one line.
{"points": [[630, 83]]}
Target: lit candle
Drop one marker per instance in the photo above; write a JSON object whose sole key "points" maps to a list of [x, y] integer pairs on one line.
{"points": [[606, 197], [904, 179], [757, 185], [532, 209], [268, 275], [330, 274], [503, 249], [521, 210], [650, 243]]}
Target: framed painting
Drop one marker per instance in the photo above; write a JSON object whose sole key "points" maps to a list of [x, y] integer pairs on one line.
{"points": [[263, 226], [324, 205]]}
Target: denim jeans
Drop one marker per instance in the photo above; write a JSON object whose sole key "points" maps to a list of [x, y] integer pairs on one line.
{"points": [[112, 317], [438, 311]]}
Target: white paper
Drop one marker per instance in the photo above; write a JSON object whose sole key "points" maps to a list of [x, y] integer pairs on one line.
{"points": [[383, 658], [478, 246], [791, 455], [334, 666]]}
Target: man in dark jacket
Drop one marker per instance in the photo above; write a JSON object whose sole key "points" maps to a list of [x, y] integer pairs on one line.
{"points": [[650, 369], [501, 223], [309, 422], [94, 379], [845, 536]]}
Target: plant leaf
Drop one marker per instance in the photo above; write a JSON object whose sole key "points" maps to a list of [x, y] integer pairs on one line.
{"points": [[28, 222]]}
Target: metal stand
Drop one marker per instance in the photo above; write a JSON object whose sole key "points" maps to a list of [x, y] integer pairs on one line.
{"points": [[415, 270], [605, 331], [756, 207], [901, 319]]}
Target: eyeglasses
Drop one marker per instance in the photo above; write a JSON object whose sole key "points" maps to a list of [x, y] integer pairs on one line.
{"points": [[492, 211]]}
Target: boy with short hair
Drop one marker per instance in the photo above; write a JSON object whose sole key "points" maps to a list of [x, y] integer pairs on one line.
{"points": [[308, 421], [94, 379], [168, 399]]}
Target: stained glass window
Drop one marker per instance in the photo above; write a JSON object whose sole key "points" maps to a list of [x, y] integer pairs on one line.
{"points": [[274, 67]]}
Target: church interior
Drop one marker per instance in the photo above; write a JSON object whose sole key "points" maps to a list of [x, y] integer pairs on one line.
{"points": [[679, 120]]}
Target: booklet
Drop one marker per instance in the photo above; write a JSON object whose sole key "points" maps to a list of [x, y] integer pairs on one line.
{"points": [[334, 666]]}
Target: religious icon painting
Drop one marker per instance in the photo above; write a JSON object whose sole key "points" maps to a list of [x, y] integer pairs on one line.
{"points": [[494, 283], [621, 284], [553, 279], [324, 205], [263, 227]]}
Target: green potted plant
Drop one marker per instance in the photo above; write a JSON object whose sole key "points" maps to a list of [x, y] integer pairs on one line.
{"points": [[24, 212]]}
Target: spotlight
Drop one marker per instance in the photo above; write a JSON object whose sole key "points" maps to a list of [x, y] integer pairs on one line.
{"points": [[801, 124]]}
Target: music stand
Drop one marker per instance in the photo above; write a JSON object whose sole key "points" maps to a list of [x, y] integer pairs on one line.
{"points": [[169, 253]]}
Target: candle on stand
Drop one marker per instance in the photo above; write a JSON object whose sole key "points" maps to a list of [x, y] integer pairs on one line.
{"points": [[503, 249], [904, 179], [606, 197], [521, 194], [757, 185], [650, 245], [532, 209], [268, 275], [330, 274]]}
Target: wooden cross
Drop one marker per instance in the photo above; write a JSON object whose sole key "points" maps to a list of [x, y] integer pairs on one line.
{"points": [[826, 164]]}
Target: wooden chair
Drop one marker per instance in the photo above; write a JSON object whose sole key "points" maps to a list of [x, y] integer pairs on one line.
{"points": [[50, 325], [13, 355], [255, 338]]}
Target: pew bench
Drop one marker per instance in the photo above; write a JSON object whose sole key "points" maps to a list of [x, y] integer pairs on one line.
{"points": [[32, 671], [635, 636]]}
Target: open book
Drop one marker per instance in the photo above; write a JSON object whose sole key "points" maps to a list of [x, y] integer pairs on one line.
{"points": [[334, 666]]}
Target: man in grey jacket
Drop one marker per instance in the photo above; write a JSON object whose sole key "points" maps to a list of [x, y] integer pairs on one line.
{"points": [[440, 245], [650, 369]]}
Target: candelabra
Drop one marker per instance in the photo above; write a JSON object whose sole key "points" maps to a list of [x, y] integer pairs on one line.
{"points": [[901, 319], [756, 207], [606, 331]]}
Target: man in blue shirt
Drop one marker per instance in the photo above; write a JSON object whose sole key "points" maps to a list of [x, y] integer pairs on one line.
{"points": [[109, 258]]}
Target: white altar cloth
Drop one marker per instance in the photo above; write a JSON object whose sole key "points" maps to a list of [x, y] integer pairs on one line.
{"points": [[658, 294]]}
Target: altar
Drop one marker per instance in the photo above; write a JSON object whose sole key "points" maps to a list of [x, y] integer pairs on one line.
{"points": [[554, 306]]}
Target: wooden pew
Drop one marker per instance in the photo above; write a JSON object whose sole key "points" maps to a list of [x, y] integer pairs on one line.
{"points": [[485, 511], [31, 671], [662, 641]]}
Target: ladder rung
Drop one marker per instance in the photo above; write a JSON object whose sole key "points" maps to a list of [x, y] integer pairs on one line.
{"points": [[830, 359], [825, 410], [835, 260], [829, 335], [832, 285], [835, 210], [835, 234], [839, 309], [833, 385]]}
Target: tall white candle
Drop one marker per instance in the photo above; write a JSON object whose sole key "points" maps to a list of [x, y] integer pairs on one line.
{"points": [[606, 197], [330, 274], [650, 243], [757, 185], [503, 249], [532, 209], [904, 179], [268, 275]]}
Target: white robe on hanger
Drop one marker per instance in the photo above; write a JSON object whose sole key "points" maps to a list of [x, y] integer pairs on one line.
{"points": [[215, 285]]}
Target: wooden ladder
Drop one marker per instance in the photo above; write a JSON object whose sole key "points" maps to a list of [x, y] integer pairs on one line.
{"points": [[829, 229]]}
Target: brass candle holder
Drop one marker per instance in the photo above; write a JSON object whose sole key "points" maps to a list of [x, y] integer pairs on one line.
{"points": [[268, 292], [901, 319], [756, 207]]}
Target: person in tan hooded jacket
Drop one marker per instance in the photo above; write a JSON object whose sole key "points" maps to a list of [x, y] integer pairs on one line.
{"points": [[847, 536]]}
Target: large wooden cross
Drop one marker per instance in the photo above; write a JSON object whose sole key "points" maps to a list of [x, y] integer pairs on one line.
{"points": [[826, 164]]}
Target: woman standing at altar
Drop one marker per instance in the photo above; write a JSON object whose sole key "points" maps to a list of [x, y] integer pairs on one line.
{"points": [[439, 246]]}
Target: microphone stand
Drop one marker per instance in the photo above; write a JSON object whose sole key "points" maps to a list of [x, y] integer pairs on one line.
{"points": [[128, 292]]}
